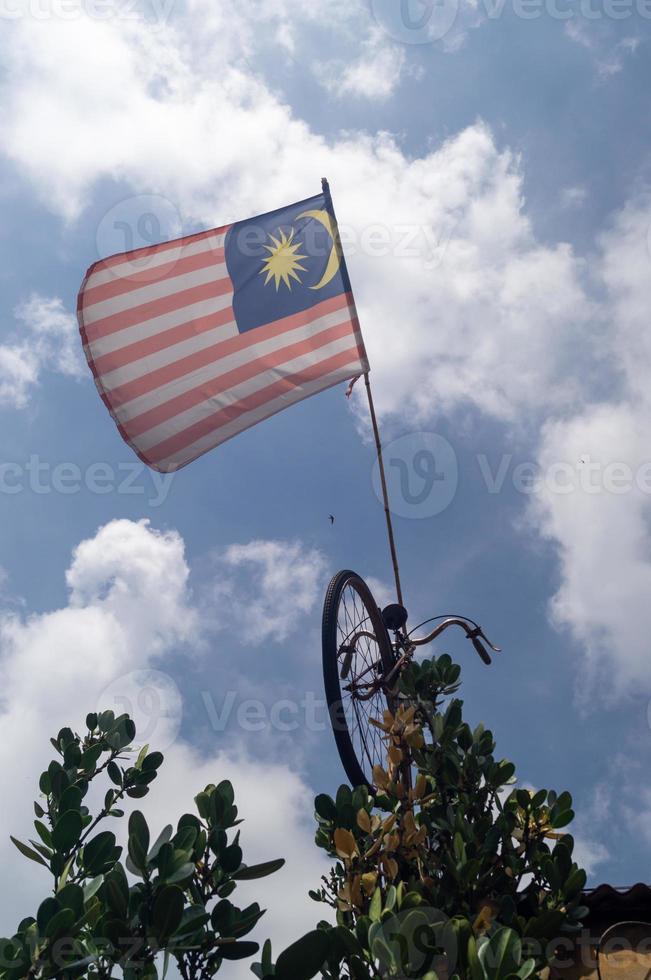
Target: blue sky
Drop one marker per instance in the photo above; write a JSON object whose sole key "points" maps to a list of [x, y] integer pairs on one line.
{"points": [[492, 183]]}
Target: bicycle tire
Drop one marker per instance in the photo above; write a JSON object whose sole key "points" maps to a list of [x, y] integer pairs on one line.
{"points": [[357, 754]]}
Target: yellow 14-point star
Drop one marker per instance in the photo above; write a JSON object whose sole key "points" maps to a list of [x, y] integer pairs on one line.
{"points": [[283, 261]]}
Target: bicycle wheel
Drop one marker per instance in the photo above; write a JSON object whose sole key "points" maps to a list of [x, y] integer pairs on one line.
{"points": [[355, 644]]}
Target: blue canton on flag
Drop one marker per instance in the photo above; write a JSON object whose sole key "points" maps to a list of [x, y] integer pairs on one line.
{"points": [[285, 262]]}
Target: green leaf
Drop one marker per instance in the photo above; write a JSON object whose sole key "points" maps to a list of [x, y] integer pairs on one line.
{"points": [[114, 773], [116, 892], [194, 917], [562, 819], [72, 897], [64, 874], [137, 792], [100, 853], [344, 796], [92, 887], [67, 831], [90, 757], [325, 807], [526, 970], [138, 828], [60, 924], [375, 911], [239, 951], [43, 833], [167, 911], [152, 762], [202, 801], [501, 955], [46, 911], [575, 883], [28, 852], [476, 969], [259, 870], [181, 873], [106, 720], [71, 799], [538, 799], [303, 959], [163, 838], [231, 859]]}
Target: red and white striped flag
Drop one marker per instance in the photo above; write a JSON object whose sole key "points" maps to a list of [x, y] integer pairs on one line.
{"points": [[192, 341]]}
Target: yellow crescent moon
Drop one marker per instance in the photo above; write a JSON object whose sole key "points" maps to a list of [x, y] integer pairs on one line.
{"points": [[334, 259]]}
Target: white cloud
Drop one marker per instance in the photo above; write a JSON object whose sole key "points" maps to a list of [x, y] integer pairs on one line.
{"points": [[372, 75], [602, 528], [589, 854], [129, 603], [47, 339], [614, 61], [440, 243], [460, 303], [597, 36], [264, 589], [573, 197]]}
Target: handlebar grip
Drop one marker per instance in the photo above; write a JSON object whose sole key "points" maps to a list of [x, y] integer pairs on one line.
{"points": [[481, 650]]}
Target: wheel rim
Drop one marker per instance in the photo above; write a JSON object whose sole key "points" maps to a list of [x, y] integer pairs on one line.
{"points": [[353, 616]]}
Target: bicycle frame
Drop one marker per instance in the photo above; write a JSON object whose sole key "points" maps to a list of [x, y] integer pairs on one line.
{"points": [[406, 646]]}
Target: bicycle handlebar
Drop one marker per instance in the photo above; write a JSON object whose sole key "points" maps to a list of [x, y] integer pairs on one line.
{"points": [[474, 633]]}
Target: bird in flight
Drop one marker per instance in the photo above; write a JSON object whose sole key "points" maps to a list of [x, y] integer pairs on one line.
{"points": [[332, 519]]}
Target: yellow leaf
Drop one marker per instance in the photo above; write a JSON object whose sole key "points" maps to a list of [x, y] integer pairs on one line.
{"points": [[345, 844], [379, 724], [483, 922], [369, 881], [409, 823], [374, 849], [406, 715], [389, 823], [380, 777], [364, 821], [390, 868], [395, 755], [415, 740]]}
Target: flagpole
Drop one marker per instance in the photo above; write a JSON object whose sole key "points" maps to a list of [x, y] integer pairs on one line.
{"points": [[385, 493], [376, 432]]}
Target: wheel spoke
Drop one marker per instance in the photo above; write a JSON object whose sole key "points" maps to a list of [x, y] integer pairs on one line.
{"points": [[365, 664]]}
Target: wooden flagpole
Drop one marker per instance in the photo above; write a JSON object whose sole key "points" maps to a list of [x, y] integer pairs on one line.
{"points": [[385, 493], [376, 432]]}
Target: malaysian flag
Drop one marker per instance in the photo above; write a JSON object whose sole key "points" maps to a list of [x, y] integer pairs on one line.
{"points": [[194, 340]]}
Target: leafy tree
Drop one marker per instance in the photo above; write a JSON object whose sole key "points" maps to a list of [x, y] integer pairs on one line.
{"points": [[459, 875], [97, 920]]}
